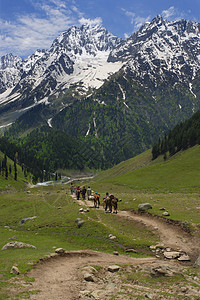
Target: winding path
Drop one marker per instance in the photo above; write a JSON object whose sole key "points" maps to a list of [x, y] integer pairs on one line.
{"points": [[61, 276]]}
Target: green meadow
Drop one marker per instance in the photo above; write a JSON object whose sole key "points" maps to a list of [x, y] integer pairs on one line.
{"points": [[173, 184]]}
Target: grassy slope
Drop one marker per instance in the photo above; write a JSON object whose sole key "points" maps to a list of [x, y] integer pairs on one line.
{"points": [[180, 171]]}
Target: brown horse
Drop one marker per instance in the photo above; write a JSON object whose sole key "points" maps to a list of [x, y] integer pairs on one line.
{"points": [[109, 202], [95, 198]]}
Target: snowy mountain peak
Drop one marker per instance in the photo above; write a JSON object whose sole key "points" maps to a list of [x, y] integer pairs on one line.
{"points": [[86, 39], [161, 48], [77, 57]]}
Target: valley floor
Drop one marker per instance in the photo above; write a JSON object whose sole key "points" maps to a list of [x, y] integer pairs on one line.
{"points": [[84, 274]]}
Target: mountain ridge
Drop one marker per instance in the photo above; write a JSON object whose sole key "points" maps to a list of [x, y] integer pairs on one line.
{"points": [[118, 99]]}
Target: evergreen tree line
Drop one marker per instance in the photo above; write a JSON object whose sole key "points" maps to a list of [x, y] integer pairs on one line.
{"points": [[6, 169], [183, 136]]}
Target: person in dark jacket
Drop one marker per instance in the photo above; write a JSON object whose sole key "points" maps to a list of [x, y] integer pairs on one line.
{"points": [[83, 192], [78, 192]]}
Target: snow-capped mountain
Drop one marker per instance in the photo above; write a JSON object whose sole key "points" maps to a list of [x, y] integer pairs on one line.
{"points": [[160, 53], [77, 56], [161, 50]]}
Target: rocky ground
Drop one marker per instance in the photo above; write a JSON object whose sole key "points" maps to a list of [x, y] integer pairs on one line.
{"points": [[169, 274]]}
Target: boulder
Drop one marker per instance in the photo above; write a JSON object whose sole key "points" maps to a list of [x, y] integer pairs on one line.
{"points": [[113, 268], [161, 271], [144, 206], [113, 237], [79, 222], [166, 214], [60, 250], [184, 257], [89, 277], [171, 254], [26, 219], [15, 245], [15, 270]]}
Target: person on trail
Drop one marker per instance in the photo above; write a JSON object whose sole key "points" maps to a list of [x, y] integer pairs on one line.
{"points": [[89, 192], [83, 192], [72, 189], [78, 192]]}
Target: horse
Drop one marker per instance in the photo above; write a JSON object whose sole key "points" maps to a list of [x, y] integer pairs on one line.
{"points": [[109, 202], [95, 198]]}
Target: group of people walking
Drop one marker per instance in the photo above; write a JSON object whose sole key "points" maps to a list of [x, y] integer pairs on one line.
{"points": [[109, 202], [78, 191]]}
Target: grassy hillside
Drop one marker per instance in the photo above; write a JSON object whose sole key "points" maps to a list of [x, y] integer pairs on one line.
{"points": [[129, 165], [182, 171]]}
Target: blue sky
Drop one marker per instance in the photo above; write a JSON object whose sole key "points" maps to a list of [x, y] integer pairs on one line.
{"points": [[28, 25]]}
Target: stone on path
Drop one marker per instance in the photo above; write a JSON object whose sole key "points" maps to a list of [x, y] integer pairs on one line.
{"points": [[171, 255], [113, 268], [60, 250], [184, 257], [89, 277]]}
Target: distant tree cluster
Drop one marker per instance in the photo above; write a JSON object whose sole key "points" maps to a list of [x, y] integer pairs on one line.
{"points": [[183, 136]]}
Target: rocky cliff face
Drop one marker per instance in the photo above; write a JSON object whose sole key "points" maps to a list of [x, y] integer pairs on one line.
{"points": [[162, 51]]}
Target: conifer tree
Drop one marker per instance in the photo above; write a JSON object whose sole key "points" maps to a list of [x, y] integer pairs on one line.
{"points": [[6, 172], [15, 169]]}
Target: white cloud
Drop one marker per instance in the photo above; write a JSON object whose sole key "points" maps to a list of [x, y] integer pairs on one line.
{"points": [[29, 32], [136, 21], [168, 13], [94, 22], [129, 14], [173, 13]]}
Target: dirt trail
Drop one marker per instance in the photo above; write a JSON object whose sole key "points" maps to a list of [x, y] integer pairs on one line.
{"points": [[62, 276], [171, 235]]}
